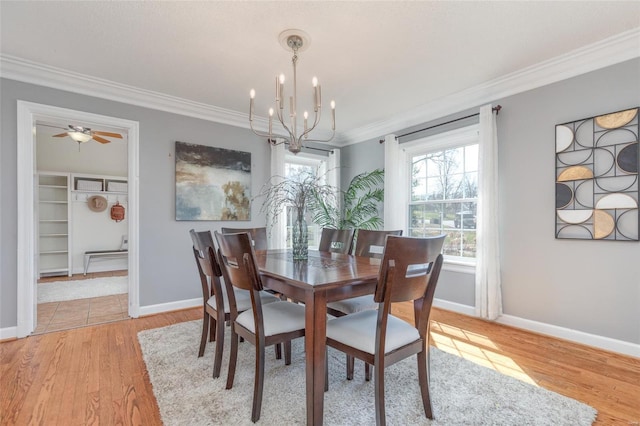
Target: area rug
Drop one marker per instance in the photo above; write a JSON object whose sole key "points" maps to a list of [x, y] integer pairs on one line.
{"points": [[463, 393], [59, 291]]}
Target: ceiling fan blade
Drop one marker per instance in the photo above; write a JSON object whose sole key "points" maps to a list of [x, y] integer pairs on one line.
{"points": [[61, 135], [101, 140], [111, 135]]}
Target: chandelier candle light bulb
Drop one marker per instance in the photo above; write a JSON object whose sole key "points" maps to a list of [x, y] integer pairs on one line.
{"points": [[297, 41]]}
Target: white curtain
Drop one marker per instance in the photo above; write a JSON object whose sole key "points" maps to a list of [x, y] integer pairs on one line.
{"points": [[277, 238], [333, 168], [395, 171], [488, 286]]}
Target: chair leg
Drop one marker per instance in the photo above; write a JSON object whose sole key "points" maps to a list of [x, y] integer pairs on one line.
{"points": [[287, 352], [367, 372], [423, 380], [259, 383], [205, 331], [278, 350], [350, 366], [233, 358], [217, 360], [326, 371], [212, 329], [379, 393]]}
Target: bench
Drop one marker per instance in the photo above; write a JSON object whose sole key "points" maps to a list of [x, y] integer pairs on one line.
{"points": [[123, 252], [104, 254]]}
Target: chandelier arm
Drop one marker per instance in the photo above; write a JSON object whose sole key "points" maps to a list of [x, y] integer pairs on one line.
{"points": [[285, 127], [333, 133], [315, 123], [262, 135]]}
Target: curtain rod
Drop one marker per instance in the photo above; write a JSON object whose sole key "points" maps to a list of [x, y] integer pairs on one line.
{"points": [[496, 108], [273, 142]]}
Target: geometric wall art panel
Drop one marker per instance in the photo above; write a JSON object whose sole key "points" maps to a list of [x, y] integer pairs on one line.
{"points": [[597, 189]]}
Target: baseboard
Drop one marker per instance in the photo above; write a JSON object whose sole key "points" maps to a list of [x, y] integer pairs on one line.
{"points": [[171, 306], [8, 333], [606, 343], [454, 307], [600, 342]]}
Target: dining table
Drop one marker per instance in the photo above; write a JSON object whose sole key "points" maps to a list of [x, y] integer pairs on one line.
{"points": [[322, 278]]}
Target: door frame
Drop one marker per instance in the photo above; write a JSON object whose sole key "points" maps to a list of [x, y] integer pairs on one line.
{"points": [[28, 114]]}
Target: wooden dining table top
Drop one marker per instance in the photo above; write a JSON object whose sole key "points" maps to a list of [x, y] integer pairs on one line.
{"points": [[322, 270]]}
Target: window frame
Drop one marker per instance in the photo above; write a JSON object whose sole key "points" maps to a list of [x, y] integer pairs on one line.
{"points": [[320, 162], [468, 135]]}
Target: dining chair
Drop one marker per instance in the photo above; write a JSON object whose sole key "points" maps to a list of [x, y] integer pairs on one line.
{"points": [[409, 271], [216, 310], [262, 325], [369, 243], [258, 236], [336, 240]]}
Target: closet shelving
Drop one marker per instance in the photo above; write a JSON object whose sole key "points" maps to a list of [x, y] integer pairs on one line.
{"points": [[54, 256]]}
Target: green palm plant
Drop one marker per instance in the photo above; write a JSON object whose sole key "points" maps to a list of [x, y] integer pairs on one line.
{"points": [[358, 206]]}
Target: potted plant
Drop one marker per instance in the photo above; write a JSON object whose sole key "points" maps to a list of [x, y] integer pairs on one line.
{"points": [[299, 192], [358, 207]]}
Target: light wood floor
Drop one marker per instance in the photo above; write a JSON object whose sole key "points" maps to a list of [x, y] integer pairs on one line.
{"points": [[95, 374]]}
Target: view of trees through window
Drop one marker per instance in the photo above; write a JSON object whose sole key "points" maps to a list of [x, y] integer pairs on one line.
{"points": [[444, 196]]}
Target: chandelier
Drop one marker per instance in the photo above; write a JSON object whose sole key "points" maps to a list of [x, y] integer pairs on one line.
{"points": [[297, 41]]}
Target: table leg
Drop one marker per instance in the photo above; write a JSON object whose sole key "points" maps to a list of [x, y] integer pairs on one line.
{"points": [[315, 347]]}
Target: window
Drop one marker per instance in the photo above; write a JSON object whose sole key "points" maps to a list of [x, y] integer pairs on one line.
{"points": [[443, 193], [295, 166]]}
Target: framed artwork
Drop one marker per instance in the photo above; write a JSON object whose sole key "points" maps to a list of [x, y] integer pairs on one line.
{"points": [[597, 189], [212, 183]]}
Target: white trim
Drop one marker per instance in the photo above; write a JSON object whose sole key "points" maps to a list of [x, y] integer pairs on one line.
{"points": [[454, 307], [170, 306], [463, 268], [607, 343], [603, 53], [8, 333], [28, 114], [453, 138], [600, 342]]}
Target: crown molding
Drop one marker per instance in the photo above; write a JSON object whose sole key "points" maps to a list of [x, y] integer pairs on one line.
{"points": [[610, 51], [15, 68]]}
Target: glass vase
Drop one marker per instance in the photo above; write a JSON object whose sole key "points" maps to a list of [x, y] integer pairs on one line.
{"points": [[300, 238]]}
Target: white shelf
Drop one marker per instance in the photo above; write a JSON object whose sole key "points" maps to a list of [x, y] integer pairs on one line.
{"points": [[53, 223]]}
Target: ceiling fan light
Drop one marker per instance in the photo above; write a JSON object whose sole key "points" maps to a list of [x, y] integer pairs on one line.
{"points": [[79, 137]]}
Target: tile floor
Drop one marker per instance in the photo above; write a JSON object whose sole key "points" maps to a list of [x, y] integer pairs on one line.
{"points": [[56, 316]]}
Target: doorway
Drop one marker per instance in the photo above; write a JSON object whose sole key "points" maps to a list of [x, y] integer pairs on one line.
{"points": [[29, 115]]}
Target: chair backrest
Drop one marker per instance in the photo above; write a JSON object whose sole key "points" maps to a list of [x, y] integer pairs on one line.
{"points": [[409, 270], [208, 268], [371, 243], [336, 240], [237, 260], [258, 236]]}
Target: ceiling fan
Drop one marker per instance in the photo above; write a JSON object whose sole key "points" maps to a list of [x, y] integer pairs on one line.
{"points": [[84, 134]]}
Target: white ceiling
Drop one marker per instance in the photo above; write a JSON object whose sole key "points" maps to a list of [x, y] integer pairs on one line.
{"points": [[376, 59]]}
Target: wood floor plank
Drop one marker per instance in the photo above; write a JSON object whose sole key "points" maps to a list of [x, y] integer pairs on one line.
{"points": [[104, 366]]}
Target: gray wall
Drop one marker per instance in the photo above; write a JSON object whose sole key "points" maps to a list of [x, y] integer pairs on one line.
{"points": [[167, 271], [590, 286]]}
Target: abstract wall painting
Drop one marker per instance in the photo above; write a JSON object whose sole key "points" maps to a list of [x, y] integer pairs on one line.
{"points": [[597, 188], [212, 183]]}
